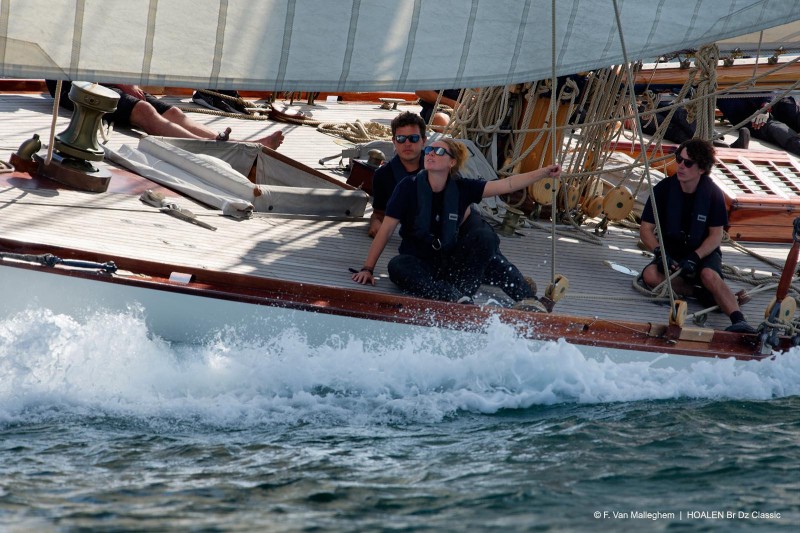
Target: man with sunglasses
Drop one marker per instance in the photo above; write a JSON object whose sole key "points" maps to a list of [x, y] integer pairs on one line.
{"points": [[408, 138], [692, 213]]}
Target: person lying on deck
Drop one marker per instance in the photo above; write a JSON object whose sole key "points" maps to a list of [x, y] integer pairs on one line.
{"points": [[777, 125], [442, 257], [692, 214], [141, 110], [679, 128]]}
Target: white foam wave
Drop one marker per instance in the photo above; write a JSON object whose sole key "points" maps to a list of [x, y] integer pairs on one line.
{"points": [[110, 364]]}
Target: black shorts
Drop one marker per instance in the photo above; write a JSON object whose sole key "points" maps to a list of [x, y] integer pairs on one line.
{"points": [[122, 116], [712, 261]]}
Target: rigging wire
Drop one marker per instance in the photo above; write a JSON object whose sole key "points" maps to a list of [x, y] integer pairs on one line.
{"points": [[553, 152], [645, 157], [51, 143]]}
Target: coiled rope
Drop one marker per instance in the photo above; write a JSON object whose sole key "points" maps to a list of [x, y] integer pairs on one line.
{"points": [[356, 132]]}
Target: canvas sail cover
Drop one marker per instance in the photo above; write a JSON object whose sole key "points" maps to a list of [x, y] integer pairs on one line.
{"points": [[355, 45], [214, 173]]}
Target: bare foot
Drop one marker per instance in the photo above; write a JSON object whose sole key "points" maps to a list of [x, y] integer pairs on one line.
{"points": [[272, 141]]}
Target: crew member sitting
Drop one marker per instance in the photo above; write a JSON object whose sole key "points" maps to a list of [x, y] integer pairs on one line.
{"points": [[692, 215], [442, 257]]}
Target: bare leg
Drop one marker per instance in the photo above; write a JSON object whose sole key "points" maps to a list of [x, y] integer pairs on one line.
{"points": [[176, 116], [652, 277], [145, 117], [719, 290], [175, 123]]}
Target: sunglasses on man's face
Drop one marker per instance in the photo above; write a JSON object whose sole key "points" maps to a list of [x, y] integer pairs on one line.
{"points": [[401, 139], [688, 163], [438, 150]]}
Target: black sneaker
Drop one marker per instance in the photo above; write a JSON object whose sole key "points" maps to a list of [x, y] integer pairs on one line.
{"points": [[741, 327], [743, 141]]}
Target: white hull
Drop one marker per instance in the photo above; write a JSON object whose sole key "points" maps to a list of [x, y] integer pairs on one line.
{"points": [[193, 319]]}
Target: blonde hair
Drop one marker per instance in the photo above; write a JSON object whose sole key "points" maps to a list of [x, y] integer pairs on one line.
{"points": [[459, 151]]}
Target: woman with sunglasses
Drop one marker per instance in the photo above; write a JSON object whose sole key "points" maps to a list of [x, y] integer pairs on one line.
{"points": [[692, 213], [438, 260]]}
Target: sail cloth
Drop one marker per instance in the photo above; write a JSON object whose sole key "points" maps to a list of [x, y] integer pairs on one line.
{"points": [[232, 201], [354, 45], [766, 42], [214, 173]]}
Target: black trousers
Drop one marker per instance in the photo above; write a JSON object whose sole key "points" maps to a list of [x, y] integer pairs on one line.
{"points": [[779, 133], [476, 259]]}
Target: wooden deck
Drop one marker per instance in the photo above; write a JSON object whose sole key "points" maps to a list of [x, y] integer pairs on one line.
{"points": [[303, 249]]}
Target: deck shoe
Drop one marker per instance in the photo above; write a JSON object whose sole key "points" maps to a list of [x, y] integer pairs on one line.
{"points": [[743, 142], [741, 327], [530, 304]]}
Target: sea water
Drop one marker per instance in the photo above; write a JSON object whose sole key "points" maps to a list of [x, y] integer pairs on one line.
{"points": [[104, 426]]}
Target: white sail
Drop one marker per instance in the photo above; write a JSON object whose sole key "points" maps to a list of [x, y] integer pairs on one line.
{"points": [[765, 42], [354, 45]]}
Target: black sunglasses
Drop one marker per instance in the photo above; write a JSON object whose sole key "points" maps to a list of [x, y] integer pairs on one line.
{"points": [[438, 150], [401, 139], [688, 163]]}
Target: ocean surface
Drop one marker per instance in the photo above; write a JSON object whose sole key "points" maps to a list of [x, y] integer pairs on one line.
{"points": [[104, 427]]}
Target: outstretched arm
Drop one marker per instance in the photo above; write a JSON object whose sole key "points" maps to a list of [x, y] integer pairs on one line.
{"points": [[520, 181], [366, 274]]}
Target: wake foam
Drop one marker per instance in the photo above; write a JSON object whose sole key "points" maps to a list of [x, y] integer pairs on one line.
{"points": [[110, 365]]}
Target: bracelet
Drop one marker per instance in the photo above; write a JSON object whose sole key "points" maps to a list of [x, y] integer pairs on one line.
{"points": [[368, 269]]}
